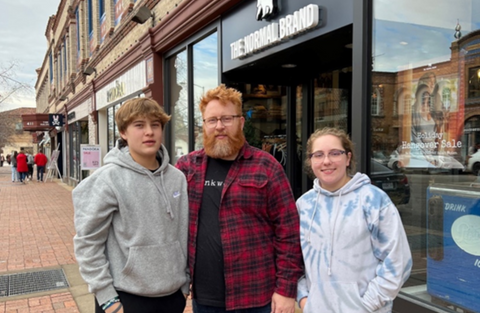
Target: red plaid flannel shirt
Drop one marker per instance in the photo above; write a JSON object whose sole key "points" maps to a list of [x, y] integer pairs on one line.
{"points": [[259, 227]]}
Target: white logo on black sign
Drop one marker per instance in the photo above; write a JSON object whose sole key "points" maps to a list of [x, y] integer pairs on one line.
{"points": [[266, 9], [56, 120]]}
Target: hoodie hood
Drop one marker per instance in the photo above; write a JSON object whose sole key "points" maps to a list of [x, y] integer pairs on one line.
{"points": [[120, 156], [357, 181]]}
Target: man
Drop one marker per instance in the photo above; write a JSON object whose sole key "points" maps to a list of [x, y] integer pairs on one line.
{"points": [[244, 250], [40, 160], [30, 163]]}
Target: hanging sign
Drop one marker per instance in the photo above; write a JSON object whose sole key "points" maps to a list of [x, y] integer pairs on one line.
{"points": [[55, 119]]}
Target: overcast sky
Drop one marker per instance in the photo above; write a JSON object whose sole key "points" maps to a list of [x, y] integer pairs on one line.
{"points": [[22, 40]]}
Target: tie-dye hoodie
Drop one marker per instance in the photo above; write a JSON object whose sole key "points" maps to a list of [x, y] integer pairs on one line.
{"points": [[355, 249]]}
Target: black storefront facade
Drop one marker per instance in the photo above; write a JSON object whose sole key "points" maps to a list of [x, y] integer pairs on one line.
{"points": [[400, 81]]}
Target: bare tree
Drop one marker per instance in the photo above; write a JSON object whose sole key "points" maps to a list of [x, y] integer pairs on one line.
{"points": [[9, 84], [10, 87], [8, 126]]}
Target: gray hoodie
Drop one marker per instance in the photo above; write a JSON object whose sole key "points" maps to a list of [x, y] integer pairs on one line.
{"points": [[132, 228]]}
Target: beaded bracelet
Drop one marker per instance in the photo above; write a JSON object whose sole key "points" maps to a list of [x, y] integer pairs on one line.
{"points": [[109, 303]]}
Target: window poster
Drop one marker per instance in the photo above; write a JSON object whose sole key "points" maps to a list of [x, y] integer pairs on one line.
{"points": [[431, 136], [90, 157]]}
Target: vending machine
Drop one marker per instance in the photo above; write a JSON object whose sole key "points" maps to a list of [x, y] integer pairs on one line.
{"points": [[453, 243]]}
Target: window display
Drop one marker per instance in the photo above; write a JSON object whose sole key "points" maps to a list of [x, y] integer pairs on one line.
{"points": [[426, 129]]}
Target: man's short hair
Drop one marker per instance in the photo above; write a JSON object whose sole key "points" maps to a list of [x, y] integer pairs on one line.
{"points": [[139, 107], [224, 95]]}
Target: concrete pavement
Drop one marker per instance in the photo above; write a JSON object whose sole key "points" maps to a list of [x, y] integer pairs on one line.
{"points": [[36, 232]]}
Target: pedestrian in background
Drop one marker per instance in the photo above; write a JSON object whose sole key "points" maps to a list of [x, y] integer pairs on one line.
{"points": [[2, 159], [30, 163], [22, 167], [13, 159], [244, 251], [131, 218], [354, 245], [40, 160]]}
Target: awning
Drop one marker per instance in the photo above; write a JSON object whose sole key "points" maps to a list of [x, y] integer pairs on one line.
{"points": [[35, 122]]}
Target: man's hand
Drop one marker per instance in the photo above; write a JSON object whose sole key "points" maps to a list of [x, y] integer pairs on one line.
{"points": [[281, 304]]}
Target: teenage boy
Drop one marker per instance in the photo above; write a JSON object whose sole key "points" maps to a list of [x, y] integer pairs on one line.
{"points": [[131, 218]]}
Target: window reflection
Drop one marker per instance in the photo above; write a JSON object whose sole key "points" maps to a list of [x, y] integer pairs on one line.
{"points": [[330, 104], [205, 77], [178, 99], [428, 133], [204, 67]]}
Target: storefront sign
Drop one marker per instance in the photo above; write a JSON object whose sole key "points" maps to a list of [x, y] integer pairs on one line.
{"points": [[274, 33], [55, 119], [130, 84], [90, 157], [116, 92]]}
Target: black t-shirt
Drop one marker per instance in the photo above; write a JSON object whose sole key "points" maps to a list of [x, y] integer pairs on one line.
{"points": [[209, 280]]}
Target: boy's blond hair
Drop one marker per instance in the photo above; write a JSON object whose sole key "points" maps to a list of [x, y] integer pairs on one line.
{"points": [[139, 107]]}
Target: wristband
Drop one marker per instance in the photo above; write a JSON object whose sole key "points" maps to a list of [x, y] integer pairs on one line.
{"points": [[109, 303]]}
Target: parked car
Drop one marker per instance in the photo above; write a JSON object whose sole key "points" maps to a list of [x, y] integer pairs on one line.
{"points": [[474, 163], [440, 163], [395, 184], [380, 157]]}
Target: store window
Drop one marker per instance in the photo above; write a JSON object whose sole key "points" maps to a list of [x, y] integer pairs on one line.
{"points": [[78, 135], [191, 72], [330, 103], [112, 132], [474, 82], [375, 101], [428, 63]]}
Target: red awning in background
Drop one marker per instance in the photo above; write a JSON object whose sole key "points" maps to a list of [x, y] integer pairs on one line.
{"points": [[35, 122]]}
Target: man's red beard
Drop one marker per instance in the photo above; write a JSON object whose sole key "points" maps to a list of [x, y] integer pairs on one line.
{"points": [[223, 149]]}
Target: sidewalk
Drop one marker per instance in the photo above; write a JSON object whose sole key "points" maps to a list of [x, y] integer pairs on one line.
{"points": [[36, 232]]}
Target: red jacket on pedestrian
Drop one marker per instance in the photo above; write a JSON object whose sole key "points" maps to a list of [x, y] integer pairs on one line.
{"points": [[40, 159], [22, 166]]}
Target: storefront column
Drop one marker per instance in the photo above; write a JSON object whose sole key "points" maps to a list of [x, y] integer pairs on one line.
{"points": [[361, 86]]}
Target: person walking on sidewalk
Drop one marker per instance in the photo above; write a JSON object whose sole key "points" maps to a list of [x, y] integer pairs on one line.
{"points": [[2, 159], [244, 245], [131, 219], [40, 161], [354, 245], [22, 167], [30, 163], [13, 159]]}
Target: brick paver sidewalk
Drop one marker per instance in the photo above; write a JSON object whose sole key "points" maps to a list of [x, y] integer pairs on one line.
{"points": [[36, 231]]}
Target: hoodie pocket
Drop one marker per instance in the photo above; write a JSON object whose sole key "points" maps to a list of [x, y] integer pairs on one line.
{"points": [[341, 297], [154, 270]]}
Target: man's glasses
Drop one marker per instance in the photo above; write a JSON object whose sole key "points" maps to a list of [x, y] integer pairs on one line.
{"points": [[333, 155], [227, 120]]}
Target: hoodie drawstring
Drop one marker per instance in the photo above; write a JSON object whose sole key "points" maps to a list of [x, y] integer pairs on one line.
{"points": [[313, 216], [332, 232]]}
